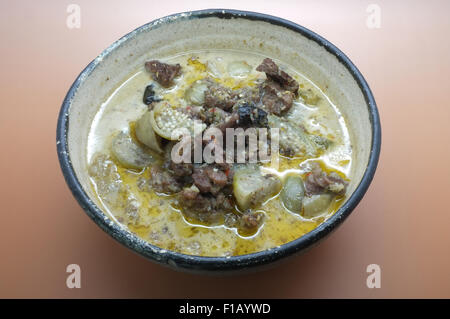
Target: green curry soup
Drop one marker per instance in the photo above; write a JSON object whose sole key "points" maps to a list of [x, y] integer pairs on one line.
{"points": [[218, 209]]}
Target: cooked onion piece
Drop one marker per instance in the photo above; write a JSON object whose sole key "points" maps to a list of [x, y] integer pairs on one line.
{"points": [[293, 193], [239, 68], [145, 133]]}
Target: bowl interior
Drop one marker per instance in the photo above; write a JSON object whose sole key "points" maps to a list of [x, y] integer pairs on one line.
{"points": [[185, 32]]}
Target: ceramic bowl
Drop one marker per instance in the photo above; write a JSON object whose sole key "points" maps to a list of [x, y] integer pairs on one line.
{"points": [[315, 57]]}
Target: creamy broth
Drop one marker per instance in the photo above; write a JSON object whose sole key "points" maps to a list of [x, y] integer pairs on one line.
{"points": [[158, 218]]}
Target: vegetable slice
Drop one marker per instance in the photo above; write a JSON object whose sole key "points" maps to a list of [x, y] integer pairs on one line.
{"points": [[251, 188], [128, 153], [292, 193], [316, 205]]}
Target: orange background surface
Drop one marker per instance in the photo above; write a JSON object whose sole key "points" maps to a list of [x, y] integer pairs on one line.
{"points": [[402, 224]]}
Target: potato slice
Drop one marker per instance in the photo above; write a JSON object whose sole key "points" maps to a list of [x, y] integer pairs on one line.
{"points": [[316, 205], [292, 193], [128, 153], [251, 188]]}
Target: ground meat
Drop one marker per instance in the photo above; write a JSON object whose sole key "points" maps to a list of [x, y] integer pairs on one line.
{"points": [[217, 177], [318, 182], [204, 207], [202, 181], [275, 100], [251, 220], [163, 181], [163, 73], [274, 73], [212, 178], [181, 169], [220, 96]]}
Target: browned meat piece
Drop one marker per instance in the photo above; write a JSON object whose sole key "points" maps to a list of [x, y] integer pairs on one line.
{"points": [[217, 177], [318, 182], [220, 96], [274, 99], [163, 73], [250, 94], [189, 194], [163, 181], [251, 220], [204, 207], [194, 204], [181, 169], [274, 73], [212, 178], [202, 181]]}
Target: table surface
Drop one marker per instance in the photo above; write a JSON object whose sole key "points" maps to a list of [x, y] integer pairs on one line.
{"points": [[402, 224]]}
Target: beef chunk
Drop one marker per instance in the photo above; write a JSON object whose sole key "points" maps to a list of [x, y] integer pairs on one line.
{"points": [[189, 194], [163, 181], [212, 178], [202, 181], [319, 182], [194, 204], [163, 73], [274, 99], [181, 169], [204, 207], [220, 96], [216, 176], [279, 90], [274, 73]]}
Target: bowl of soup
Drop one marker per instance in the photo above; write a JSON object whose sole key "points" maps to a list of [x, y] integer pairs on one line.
{"points": [[219, 140]]}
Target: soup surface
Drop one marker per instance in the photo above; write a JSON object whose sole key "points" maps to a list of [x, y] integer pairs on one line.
{"points": [[241, 205]]}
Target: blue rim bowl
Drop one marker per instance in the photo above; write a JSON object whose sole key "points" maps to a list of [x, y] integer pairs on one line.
{"points": [[233, 263]]}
